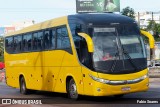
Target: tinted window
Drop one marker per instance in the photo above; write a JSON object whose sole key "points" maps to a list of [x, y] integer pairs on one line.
{"points": [[76, 28], [53, 39], [17, 44], [40, 40], [59, 42], [9, 44], [35, 41], [47, 36], [63, 38], [27, 42]]}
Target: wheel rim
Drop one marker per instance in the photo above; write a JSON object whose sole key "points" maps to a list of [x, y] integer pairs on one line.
{"points": [[73, 90]]}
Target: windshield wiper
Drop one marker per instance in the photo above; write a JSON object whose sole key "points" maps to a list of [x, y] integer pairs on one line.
{"points": [[114, 63], [130, 59]]}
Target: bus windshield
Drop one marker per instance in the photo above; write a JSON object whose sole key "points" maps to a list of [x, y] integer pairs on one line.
{"points": [[118, 49], [105, 44], [131, 41]]}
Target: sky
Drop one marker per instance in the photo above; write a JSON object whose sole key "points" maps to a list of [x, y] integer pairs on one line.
{"points": [[41, 10]]}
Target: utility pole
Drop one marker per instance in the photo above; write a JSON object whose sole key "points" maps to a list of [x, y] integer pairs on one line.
{"points": [[152, 16], [138, 19]]}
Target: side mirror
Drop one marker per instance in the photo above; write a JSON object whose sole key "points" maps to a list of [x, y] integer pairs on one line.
{"points": [[150, 37], [88, 40], [151, 42]]}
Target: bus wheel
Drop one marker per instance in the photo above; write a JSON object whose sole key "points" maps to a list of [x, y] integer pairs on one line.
{"points": [[23, 89], [72, 90]]}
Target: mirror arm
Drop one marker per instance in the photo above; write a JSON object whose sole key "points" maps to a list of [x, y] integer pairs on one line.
{"points": [[88, 40], [151, 42], [150, 37]]}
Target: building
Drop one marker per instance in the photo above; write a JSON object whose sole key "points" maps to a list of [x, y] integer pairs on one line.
{"points": [[15, 26], [9, 29], [144, 18]]}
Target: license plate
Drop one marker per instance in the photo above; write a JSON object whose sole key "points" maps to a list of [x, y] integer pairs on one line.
{"points": [[125, 88]]}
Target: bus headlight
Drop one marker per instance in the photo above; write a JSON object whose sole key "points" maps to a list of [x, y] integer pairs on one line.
{"points": [[99, 79], [118, 82]]}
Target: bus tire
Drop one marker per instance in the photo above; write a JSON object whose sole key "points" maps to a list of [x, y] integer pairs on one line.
{"points": [[23, 88], [72, 89]]}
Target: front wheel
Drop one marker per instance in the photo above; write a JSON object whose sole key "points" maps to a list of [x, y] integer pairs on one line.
{"points": [[23, 88], [72, 90]]}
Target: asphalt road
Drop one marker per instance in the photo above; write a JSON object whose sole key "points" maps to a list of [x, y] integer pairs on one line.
{"points": [[49, 98]]}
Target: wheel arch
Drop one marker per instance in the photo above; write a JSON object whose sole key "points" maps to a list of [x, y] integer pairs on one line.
{"points": [[77, 81]]}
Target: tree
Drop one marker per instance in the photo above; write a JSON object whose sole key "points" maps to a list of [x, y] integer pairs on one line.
{"points": [[128, 12], [152, 26], [155, 28], [1, 48]]}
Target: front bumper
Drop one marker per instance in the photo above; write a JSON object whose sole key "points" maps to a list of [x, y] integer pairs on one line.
{"points": [[101, 89]]}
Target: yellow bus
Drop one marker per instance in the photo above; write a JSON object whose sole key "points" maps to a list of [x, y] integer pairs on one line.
{"points": [[82, 54]]}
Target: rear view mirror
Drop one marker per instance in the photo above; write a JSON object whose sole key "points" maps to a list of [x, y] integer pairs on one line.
{"points": [[151, 42], [88, 40]]}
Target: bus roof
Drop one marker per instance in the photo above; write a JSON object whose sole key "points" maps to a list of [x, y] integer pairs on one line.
{"points": [[102, 18], [97, 19]]}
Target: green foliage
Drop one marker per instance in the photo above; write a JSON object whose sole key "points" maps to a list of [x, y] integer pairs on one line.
{"points": [[155, 28], [151, 25], [128, 12], [1, 49]]}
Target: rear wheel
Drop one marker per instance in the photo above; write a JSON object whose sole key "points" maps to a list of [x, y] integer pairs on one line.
{"points": [[23, 88], [72, 90]]}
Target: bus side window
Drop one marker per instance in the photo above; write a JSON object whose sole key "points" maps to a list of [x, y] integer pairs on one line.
{"points": [[9, 44], [17, 43], [47, 39], [63, 41], [27, 38], [59, 42], [75, 29], [29, 42], [40, 40], [35, 41], [65, 38], [52, 39], [24, 43]]}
